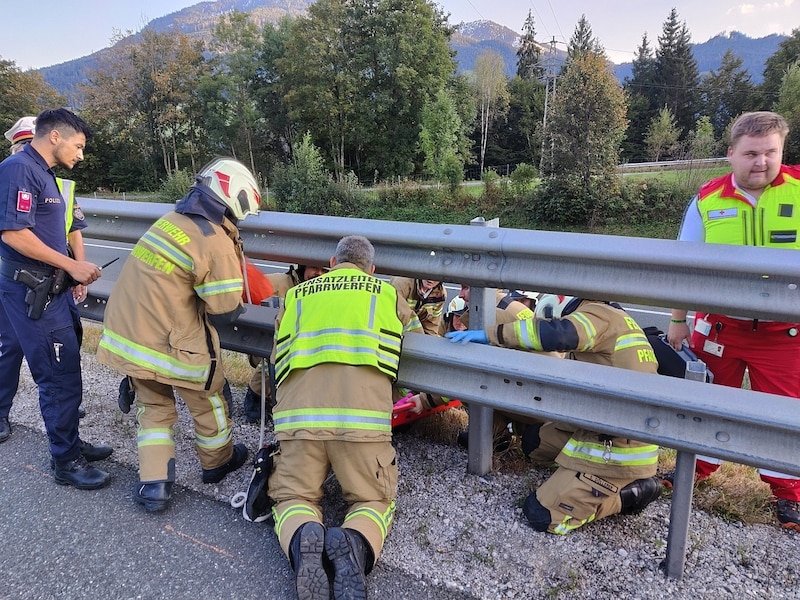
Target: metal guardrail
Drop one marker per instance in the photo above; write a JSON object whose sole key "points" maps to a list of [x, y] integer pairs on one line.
{"points": [[744, 426], [676, 165]]}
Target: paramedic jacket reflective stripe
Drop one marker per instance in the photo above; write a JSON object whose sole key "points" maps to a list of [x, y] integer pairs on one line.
{"points": [[367, 331]]}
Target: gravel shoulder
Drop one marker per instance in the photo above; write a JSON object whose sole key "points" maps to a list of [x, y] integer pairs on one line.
{"points": [[467, 534]]}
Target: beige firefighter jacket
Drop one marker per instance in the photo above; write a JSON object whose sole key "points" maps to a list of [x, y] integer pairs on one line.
{"points": [[156, 323], [606, 336], [430, 309]]}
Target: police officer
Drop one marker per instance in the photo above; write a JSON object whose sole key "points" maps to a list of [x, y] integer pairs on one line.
{"points": [[34, 316], [183, 276], [337, 353], [20, 134], [598, 475]]}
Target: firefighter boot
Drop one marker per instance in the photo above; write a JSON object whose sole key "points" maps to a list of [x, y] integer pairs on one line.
{"points": [[307, 556], [153, 496], [252, 406], [216, 474], [538, 516], [788, 513], [638, 494], [352, 558]]}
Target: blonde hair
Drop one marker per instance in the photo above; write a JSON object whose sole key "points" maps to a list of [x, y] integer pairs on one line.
{"points": [[758, 124]]}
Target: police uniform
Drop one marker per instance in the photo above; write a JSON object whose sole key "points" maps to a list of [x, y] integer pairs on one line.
{"points": [[770, 350], [31, 200], [157, 330], [337, 351], [593, 467], [429, 308]]}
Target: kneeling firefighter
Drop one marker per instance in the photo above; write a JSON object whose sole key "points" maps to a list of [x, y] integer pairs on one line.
{"points": [[598, 475]]}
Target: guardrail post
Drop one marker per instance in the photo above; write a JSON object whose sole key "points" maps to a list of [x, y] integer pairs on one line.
{"points": [[482, 303], [683, 488], [680, 511]]}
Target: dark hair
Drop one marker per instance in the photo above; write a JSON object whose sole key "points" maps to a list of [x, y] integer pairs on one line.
{"points": [[61, 118]]}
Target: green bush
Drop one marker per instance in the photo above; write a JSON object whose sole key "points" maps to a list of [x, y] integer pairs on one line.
{"points": [[175, 186]]}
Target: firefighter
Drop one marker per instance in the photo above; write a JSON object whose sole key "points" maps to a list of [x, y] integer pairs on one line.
{"points": [[598, 475], [183, 277], [281, 283], [336, 356], [426, 298]]}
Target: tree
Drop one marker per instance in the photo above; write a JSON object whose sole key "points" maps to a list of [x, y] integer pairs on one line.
{"points": [[776, 65], [24, 93], [139, 102], [662, 135], [788, 105], [357, 74], [491, 90], [702, 143], [228, 90], [439, 139], [677, 75], [727, 93], [529, 53], [583, 41], [518, 137], [587, 122], [642, 107]]}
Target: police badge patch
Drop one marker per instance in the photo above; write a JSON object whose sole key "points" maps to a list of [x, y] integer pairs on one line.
{"points": [[77, 213], [24, 201]]}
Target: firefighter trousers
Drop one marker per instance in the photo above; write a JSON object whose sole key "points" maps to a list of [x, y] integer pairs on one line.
{"points": [[367, 473], [157, 414]]}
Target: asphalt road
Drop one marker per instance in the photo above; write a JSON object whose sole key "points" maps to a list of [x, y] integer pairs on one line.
{"points": [[59, 542]]}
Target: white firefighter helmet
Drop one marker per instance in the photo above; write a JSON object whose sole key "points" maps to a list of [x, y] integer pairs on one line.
{"points": [[555, 306], [457, 305], [230, 182]]}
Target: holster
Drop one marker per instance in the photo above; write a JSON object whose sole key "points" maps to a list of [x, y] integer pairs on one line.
{"points": [[38, 293]]}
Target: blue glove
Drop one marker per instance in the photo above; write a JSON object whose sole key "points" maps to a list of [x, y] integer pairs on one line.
{"points": [[468, 335]]}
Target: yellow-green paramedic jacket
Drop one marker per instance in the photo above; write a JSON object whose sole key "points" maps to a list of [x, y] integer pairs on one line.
{"points": [[343, 318], [606, 336], [728, 218], [156, 323]]}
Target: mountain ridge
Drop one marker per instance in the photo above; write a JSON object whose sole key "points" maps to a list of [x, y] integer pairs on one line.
{"points": [[468, 41]]}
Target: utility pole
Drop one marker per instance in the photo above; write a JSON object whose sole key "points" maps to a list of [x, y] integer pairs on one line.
{"points": [[550, 75]]}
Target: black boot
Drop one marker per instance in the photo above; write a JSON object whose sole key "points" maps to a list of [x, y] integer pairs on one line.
{"points": [[79, 474], [127, 395], [352, 558], [306, 553], [638, 494], [5, 429], [216, 474], [92, 453], [154, 496], [252, 406]]}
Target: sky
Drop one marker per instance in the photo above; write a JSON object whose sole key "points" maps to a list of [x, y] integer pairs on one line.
{"points": [[65, 31]]}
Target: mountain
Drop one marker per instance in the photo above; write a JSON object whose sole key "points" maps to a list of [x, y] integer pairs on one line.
{"points": [[754, 52], [469, 41]]}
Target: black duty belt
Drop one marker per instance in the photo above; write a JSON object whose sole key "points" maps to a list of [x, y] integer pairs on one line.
{"points": [[9, 267]]}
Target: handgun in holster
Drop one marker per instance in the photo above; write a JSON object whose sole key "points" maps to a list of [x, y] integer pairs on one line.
{"points": [[39, 293]]}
